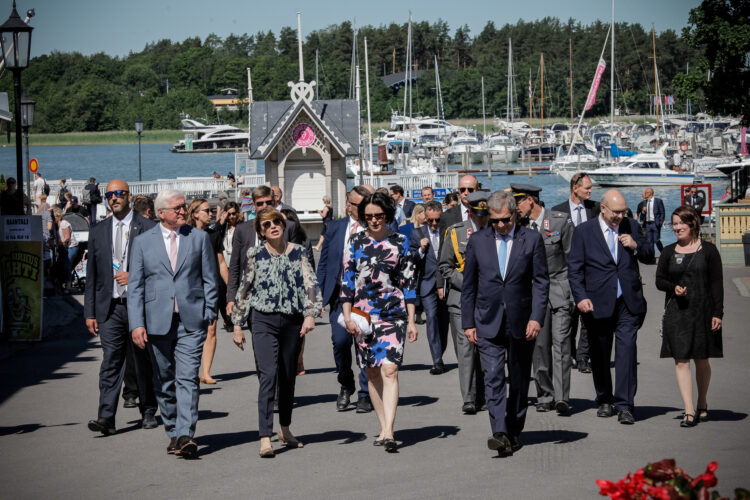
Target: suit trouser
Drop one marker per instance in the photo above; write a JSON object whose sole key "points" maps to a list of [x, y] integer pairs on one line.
{"points": [[91, 207], [130, 381], [653, 235], [582, 350], [114, 335], [276, 346], [176, 359], [552, 362], [437, 325], [343, 342], [622, 327], [507, 397], [470, 376]]}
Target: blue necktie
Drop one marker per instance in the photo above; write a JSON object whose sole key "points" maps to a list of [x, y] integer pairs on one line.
{"points": [[502, 254], [611, 243]]}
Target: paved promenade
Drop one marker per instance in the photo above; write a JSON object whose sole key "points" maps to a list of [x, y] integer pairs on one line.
{"points": [[49, 391]]}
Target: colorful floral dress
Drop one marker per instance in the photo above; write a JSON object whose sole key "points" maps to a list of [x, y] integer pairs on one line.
{"points": [[380, 279]]}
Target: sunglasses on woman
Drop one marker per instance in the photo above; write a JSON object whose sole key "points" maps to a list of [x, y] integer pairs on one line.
{"points": [[267, 223], [377, 217]]}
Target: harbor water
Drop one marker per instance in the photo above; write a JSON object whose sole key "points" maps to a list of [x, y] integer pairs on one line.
{"points": [[107, 162]]}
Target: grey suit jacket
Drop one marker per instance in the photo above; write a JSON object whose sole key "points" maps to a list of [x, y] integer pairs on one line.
{"points": [[448, 263], [557, 232], [153, 286]]}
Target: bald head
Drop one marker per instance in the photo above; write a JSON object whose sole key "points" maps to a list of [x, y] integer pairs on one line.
{"points": [[369, 188], [614, 208], [467, 185]]}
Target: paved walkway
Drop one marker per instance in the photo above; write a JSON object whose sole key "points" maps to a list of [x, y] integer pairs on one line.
{"points": [[49, 392]]}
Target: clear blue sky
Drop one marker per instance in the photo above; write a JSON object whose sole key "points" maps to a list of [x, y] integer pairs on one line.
{"points": [[117, 27]]}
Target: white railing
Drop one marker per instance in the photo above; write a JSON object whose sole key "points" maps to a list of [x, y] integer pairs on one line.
{"points": [[191, 186], [418, 181]]}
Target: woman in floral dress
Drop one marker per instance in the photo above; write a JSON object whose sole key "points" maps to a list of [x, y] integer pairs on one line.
{"points": [[379, 282]]}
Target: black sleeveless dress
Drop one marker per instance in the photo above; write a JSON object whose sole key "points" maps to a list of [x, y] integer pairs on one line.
{"points": [[686, 329]]}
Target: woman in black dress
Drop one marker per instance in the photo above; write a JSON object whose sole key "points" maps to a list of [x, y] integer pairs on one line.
{"points": [[690, 273]]}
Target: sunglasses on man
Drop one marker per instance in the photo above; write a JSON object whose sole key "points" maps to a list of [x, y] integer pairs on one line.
{"points": [[120, 193], [504, 220], [466, 190]]}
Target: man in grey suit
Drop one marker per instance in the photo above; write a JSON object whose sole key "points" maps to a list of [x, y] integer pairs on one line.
{"points": [[551, 360], [106, 312], [451, 266], [173, 269]]}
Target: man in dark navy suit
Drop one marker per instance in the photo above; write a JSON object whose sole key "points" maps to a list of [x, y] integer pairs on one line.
{"points": [[330, 270], [606, 285], [105, 308], [503, 304], [651, 213], [425, 241], [397, 193]]}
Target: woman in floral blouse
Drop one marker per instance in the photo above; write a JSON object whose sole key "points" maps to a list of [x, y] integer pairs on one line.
{"points": [[379, 282], [280, 293]]}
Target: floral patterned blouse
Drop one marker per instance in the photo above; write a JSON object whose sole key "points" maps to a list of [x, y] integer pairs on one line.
{"points": [[380, 276], [277, 283]]}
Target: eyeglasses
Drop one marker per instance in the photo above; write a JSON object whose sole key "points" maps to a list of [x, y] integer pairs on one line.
{"points": [[377, 217], [267, 223], [120, 193], [466, 189], [177, 209], [617, 212], [230, 214], [352, 204], [207, 210], [430, 220], [262, 203], [504, 220]]}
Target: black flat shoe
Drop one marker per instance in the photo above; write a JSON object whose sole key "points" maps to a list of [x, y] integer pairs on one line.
{"points": [[379, 442], [103, 426], [702, 414], [390, 445], [469, 409], [342, 402], [688, 420], [626, 417], [500, 442], [604, 410]]}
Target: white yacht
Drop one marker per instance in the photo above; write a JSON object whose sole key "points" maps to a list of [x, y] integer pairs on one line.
{"points": [[501, 148], [644, 169], [580, 158], [202, 137], [463, 145]]}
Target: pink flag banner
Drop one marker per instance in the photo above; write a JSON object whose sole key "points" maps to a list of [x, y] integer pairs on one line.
{"points": [[595, 84], [744, 141]]}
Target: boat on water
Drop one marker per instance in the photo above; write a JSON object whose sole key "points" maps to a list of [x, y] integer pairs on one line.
{"points": [[463, 145], [643, 169], [567, 164], [501, 148], [200, 137]]}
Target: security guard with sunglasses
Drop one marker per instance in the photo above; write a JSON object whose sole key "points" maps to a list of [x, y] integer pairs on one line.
{"points": [[451, 266], [552, 362]]}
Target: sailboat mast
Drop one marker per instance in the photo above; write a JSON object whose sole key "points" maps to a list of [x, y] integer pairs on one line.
{"points": [[369, 122], [656, 83], [316, 75], [484, 120], [509, 100], [570, 44], [612, 72], [531, 103], [542, 107]]}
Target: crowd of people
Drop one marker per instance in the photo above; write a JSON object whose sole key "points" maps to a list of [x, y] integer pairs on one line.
{"points": [[522, 289]]}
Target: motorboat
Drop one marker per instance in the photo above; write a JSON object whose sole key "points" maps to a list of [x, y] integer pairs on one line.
{"points": [[202, 137], [643, 169], [567, 165], [463, 145], [500, 148]]}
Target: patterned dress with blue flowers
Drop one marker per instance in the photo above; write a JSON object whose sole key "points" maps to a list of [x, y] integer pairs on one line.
{"points": [[380, 279]]}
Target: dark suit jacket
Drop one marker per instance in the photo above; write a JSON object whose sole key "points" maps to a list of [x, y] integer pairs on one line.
{"points": [[427, 266], [593, 274], [99, 282], [659, 213], [331, 260], [592, 208], [243, 239], [409, 207], [487, 299], [697, 203]]}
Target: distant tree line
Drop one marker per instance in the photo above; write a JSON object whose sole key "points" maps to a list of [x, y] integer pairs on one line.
{"points": [[74, 92]]}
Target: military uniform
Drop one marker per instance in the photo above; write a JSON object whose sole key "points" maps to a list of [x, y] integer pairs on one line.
{"points": [[450, 266]]}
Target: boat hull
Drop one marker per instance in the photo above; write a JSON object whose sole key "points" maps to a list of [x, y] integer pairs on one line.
{"points": [[638, 179]]}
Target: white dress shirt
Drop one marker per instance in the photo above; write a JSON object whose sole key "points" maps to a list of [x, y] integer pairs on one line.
{"points": [[574, 214], [165, 235], [121, 259], [464, 212]]}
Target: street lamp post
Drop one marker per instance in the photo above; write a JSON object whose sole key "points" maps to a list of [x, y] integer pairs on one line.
{"points": [[15, 42], [27, 120], [139, 129]]}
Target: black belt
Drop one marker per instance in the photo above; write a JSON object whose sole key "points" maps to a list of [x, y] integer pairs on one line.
{"points": [[120, 300]]}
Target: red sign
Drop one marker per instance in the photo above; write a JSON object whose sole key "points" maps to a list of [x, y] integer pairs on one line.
{"points": [[303, 135], [595, 84], [33, 165]]}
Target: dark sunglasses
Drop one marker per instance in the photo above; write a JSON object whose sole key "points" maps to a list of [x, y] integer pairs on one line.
{"points": [[465, 189], [120, 193], [504, 220], [379, 217], [433, 220], [267, 223], [229, 214], [262, 204]]}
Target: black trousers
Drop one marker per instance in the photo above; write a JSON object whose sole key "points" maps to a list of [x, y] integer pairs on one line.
{"points": [[114, 334], [130, 382], [276, 345]]}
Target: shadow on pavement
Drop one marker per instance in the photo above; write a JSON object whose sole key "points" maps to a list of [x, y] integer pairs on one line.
{"points": [[409, 437], [417, 400], [215, 442], [346, 437], [646, 412], [209, 414], [551, 436], [717, 416], [27, 428], [233, 376], [313, 400]]}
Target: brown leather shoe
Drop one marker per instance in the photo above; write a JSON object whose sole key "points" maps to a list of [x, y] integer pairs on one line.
{"points": [[172, 447], [186, 447]]}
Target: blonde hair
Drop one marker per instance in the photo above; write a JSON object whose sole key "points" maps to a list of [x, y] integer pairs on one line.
{"points": [[419, 208], [326, 200]]}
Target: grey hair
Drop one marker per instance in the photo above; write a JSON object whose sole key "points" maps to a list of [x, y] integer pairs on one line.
{"points": [[501, 199], [160, 203]]}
